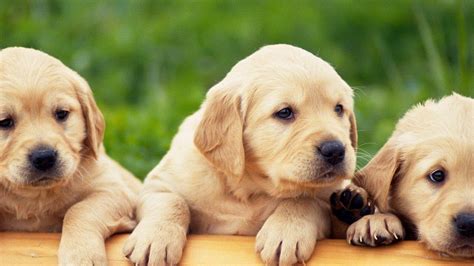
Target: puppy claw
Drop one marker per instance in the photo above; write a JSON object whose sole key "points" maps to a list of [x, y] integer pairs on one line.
{"points": [[155, 244], [381, 241], [376, 229], [280, 243]]}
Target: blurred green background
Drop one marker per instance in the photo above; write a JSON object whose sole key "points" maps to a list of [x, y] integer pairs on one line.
{"points": [[150, 63]]}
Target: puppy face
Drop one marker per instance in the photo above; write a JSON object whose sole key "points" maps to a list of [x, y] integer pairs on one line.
{"points": [[286, 116], [46, 115], [429, 178]]}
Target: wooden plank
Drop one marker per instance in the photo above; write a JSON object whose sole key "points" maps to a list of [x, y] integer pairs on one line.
{"points": [[40, 249]]}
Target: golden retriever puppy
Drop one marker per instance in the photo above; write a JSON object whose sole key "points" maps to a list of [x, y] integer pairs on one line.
{"points": [[422, 180], [269, 144], [54, 173]]}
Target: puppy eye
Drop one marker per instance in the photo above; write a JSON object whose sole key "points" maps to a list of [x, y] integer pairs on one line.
{"points": [[7, 123], [339, 109], [61, 115], [437, 176], [285, 114]]}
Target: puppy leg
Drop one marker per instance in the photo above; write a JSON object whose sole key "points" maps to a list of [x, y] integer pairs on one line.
{"points": [[87, 224], [375, 230], [289, 235], [160, 236]]}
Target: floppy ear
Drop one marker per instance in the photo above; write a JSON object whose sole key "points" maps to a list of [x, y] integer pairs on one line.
{"points": [[94, 120], [377, 176], [353, 133], [219, 134]]}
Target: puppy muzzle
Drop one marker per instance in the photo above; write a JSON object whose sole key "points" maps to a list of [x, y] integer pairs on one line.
{"points": [[43, 166]]}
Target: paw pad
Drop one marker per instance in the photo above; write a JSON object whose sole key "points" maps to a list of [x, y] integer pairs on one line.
{"points": [[349, 205]]}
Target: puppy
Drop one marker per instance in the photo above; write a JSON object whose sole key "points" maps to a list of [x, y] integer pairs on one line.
{"points": [[422, 180], [54, 173], [260, 157]]}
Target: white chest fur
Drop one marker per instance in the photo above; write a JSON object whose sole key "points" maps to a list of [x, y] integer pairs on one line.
{"points": [[223, 215], [39, 211]]}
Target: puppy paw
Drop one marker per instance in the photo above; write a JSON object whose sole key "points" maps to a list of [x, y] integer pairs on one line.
{"points": [[375, 230], [80, 252], [351, 204], [155, 244], [284, 243]]}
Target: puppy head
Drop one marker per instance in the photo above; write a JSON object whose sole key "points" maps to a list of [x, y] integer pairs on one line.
{"points": [[49, 122], [282, 114], [425, 173]]}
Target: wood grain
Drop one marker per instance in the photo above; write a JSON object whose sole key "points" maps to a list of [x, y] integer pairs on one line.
{"points": [[40, 249]]}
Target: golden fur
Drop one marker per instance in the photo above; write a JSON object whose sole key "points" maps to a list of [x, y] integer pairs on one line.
{"points": [[90, 196], [234, 168], [431, 136]]}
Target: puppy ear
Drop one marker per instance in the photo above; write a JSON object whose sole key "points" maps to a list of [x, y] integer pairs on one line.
{"points": [[353, 133], [94, 120], [377, 176], [219, 134]]}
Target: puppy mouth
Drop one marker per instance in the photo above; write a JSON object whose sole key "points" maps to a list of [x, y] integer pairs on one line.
{"points": [[35, 177], [464, 246], [462, 249], [327, 175], [330, 174], [42, 181], [38, 179], [465, 251], [321, 179]]}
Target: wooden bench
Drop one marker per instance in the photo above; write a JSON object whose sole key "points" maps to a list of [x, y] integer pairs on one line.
{"points": [[40, 249]]}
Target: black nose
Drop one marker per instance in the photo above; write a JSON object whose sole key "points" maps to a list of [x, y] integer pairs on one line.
{"points": [[43, 159], [465, 224], [332, 151]]}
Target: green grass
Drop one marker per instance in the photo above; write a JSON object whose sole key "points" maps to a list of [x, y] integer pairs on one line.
{"points": [[150, 63]]}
